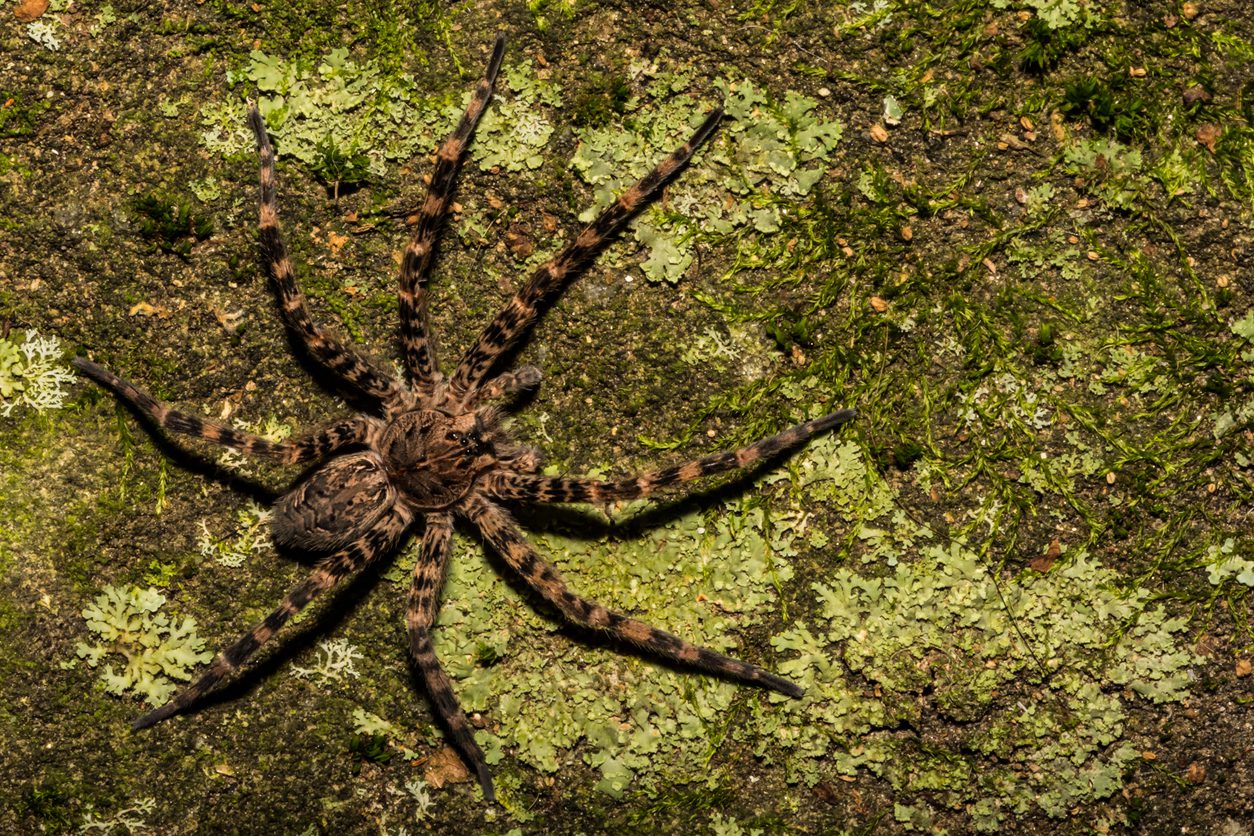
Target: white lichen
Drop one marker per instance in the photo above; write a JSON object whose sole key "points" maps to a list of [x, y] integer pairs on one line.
{"points": [[334, 662], [129, 819], [250, 537], [31, 374], [44, 33]]}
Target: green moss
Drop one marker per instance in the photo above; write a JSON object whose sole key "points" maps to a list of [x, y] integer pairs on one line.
{"points": [[170, 223]]}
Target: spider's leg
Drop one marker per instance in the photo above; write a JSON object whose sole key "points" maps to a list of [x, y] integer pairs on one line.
{"points": [[424, 601], [419, 351], [378, 541], [310, 448], [349, 368], [507, 385], [515, 320], [530, 488], [505, 538]]}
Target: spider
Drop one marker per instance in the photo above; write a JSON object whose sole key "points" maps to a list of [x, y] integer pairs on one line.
{"points": [[435, 449]]}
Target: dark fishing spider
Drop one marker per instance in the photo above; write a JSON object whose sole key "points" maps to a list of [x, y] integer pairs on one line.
{"points": [[437, 450]]}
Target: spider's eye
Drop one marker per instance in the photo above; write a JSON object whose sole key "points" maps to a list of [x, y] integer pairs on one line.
{"points": [[455, 436]]}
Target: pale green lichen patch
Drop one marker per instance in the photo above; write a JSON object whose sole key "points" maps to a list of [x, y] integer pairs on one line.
{"points": [[340, 105], [31, 374], [1027, 670], [155, 647], [514, 132], [342, 110], [768, 153]]}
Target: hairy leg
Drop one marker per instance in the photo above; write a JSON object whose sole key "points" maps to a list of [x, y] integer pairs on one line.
{"points": [[420, 358], [377, 542], [515, 320], [531, 488], [507, 385], [505, 538], [311, 448], [424, 602], [351, 370]]}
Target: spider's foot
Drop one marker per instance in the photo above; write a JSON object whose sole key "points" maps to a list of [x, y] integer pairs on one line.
{"points": [[527, 377], [153, 717], [783, 686], [485, 781]]}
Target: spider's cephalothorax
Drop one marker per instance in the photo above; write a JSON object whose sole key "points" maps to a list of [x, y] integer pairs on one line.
{"points": [[435, 458], [433, 451]]}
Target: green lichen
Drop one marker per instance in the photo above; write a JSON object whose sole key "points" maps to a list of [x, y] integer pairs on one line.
{"points": [[348, 119], [1224, 564], [31, 374], [768, 155], [337, 103], [515, 131], [155, 647], [1022, 667]]}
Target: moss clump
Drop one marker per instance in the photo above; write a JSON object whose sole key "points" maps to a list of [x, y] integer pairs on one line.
{"points": [[155, 647], [170, 223]]}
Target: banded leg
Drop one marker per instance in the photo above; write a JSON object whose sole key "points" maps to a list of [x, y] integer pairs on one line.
{"points": [[311, 448], [515, 320], [424, 601], [502, 535], [377, 542], [529, 488], [507, 385], [346, 365], [420, 358]]}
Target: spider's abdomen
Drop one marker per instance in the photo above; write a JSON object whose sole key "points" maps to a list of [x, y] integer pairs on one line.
{"points": [[334, 505], [434, 458]]}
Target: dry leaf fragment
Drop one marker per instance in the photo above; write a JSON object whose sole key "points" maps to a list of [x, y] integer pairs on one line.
{"points": [[29, 10], [336, 242], [1044, 562], [1244, 668], [445, 767], [145, 309], [1208, 134]]}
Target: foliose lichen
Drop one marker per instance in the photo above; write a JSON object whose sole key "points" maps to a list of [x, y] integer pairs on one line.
{"points": [[154, 647]]}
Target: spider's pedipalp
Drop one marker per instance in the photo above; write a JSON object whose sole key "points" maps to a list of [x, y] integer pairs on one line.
{"points": [[424, 602], [349, 368], [508, 384], [507, 541], [416, 341], [530, 488], [311, 448], [516, 318], [330, 570]]}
